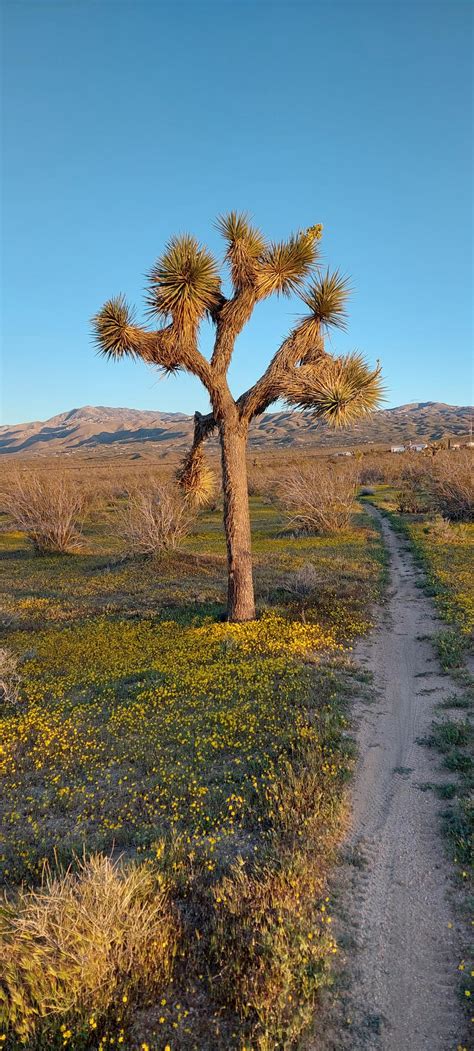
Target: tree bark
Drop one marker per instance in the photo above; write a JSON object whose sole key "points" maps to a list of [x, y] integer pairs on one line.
{"points": [[233, 436]]}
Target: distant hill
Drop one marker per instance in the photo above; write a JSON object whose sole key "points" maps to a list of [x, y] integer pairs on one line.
{"points": [[95, 430]]}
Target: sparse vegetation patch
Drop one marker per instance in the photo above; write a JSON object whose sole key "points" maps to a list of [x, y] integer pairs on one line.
{"points": [[211, 758]]}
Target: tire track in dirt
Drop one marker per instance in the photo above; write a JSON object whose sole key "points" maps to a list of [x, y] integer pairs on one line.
{"points": [[397, 900]]}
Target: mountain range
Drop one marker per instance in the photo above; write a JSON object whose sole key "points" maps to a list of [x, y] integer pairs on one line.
{"points": [[94, 430]]}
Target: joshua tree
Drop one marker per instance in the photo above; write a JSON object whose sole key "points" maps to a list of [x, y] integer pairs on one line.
{"points": [[184, 286]]}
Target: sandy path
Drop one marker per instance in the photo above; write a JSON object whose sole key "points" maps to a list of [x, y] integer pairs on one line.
{"points": [[396, 905]]}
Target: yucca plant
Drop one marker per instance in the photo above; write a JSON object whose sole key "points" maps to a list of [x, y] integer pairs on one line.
{"points": [[184, 287]]}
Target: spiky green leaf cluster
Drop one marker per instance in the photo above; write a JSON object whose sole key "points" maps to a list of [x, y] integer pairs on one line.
{"points": [[112, 327], [285, 264], [326, 298], [275, 267], [236, 227], [245, 246], [338, 391], [184, 284]]}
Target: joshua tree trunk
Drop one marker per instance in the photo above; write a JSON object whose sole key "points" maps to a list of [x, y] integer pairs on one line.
{"points": [[233, 436]]}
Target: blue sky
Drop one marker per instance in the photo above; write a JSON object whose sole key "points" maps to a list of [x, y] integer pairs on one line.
{"points": [[125, 122]]}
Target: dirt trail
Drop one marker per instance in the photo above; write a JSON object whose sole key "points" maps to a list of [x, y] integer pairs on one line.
{"points": [[403, 983]]}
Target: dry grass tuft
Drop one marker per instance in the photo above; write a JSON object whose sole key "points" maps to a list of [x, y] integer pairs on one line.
{"points": [[156, 519], [319, 498], [442, 531], [9, 677], [48, 508], [81, 943]]}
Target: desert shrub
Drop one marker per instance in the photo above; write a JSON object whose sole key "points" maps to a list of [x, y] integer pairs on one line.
{"points": [[9, 677], [82, 942], [410, 501], [415, 471], [319, 498], [442, 531], [304, 581], [452, 486], [253, 481], [261, 479], [388, 468], [156, 519], [372, 474], [301, 585], [49, 508]]}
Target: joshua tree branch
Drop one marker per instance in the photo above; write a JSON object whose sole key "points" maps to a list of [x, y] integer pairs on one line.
{"points": [[193, 464], [169, 348], [170, 351], [203, 427], [230, 319], [301, 345]]}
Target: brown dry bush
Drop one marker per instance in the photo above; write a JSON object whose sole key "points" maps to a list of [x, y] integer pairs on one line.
{"points": [[373, 474], [49, 508], [451, 486], [80, 943], [393, 468], [415, 472], [157, 519], [319, 498], [301, 587], [262, 479], [411, 502], [121, 480]]}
